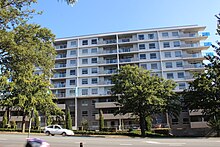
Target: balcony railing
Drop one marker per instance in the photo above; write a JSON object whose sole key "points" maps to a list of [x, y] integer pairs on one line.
{"points": [[60, 65], [59, 85], [189, 35], [109, 51], [61, 56], [197, 55], [127, 60], [61, 46], [59, 75], [193, 66], [60, 95], [190, 45]]}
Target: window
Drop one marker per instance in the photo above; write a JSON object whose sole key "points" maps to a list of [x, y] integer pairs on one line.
{"points": [[142, 56], [84, 61], [179, 64], [175, 121], [167, 54], [153, 55], [73, 62], [94, 80], [84, 81], [165, 34], [84, 113], [94, 41], [85, 51], [72, 82], [144, 66], [141, 46], [73, 43], [180, 74], [152, 46], [85, 42], [185, 120], [84, 71], [182, 85], [176, 44], [73, 72], [166, 45], [73, 52], [150, 36], [153, 65], [84, 102], [175, 34], [84, 91], [72, 92], [94, 50], [94, 91], [94, 70], [178, 54], [169, 65], [170, 76], [94, 60], [141, 37]]}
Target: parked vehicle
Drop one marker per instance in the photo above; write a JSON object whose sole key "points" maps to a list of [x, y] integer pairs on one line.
{"points": [[57, 130], [36, 142]]}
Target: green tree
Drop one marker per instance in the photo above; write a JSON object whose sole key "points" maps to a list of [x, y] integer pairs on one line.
{"points": [[36, 120], [140, 93], [13, 124], [101, 120], [68, 120], [5, 120], [148, 123], [204, 92], [85, 124]]}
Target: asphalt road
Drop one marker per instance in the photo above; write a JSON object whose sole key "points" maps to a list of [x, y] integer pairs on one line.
{"points": [[18, 140]]}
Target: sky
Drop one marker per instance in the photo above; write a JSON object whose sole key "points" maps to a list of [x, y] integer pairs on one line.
{"points": [[102, 16]]}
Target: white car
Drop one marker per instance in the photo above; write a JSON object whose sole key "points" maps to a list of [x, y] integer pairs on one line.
{"points": [[57, 130]]}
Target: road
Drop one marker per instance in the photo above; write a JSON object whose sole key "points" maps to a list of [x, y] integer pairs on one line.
{"points": [[18, 140]]}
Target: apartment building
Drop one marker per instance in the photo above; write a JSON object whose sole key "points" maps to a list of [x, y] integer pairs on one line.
{"points": [[84, 65]]}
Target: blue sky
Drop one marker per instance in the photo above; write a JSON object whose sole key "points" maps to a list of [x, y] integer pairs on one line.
{"points": [[100, 16]]}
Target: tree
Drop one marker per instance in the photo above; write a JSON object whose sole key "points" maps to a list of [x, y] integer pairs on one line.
{"points": [[101, 120], [36, 120], [70, 2], [204, 92], [140, 93], [26, 49], [4, 120], [68, 120]]}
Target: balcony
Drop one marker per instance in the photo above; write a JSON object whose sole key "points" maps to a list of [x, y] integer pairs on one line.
{"points": [[59, 85], [127, 50], [109, 51], [112, 116], [201, 124], [61, 56], [61, 106], [61, 46], [127, 60], [105, 82], [60, 65], [59, 75], [60, 95], [100, 105], [110, 61], [195, 55], [197, 66], [108, 71]]}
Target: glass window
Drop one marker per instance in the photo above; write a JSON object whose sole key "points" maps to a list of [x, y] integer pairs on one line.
{"points": [[94, 41], [84, 91], [94, 80], [144, 66], [178, 54], [179, 64], [141, 46], [152, 45], [85, 51], [167, 54], [175, 34], [182, 85], [141, 37], [84, 61], [153, 55], [94, 60], [84, 102], [72, 82], [94, 50], [175, 121], [84, 113], [94, 91], [166, 45], [176, 44], [85, 42], [73, 72], [72, 92], [72, 62], [150, 36], [94, 70], [142, 56], [73, 52], [170, 76], [180, 74], [165, 34], [154, 66], [73, 43], [84, 71], [169, 65], [84, 81]]}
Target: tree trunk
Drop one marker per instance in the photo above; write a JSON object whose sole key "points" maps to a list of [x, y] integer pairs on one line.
{"points": [[142, 125], [23, 123]]}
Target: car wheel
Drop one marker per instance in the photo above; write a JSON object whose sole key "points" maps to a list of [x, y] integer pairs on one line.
{"points": [[47, 133], [63, 134], [52, 134]]}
